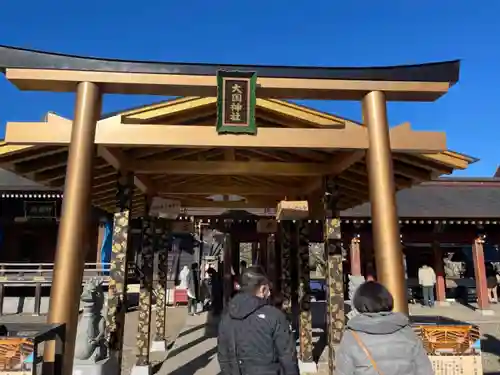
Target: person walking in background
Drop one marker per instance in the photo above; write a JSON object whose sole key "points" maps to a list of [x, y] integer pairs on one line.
{"points": [[379, 341], [491, 283], [255, 338], [427, 280], [192, 288]]}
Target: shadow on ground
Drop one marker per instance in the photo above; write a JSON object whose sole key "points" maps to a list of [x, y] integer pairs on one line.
{"points": [[200, 362]]}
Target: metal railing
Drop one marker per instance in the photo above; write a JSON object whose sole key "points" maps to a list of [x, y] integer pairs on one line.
{"points": [[39, 275]]}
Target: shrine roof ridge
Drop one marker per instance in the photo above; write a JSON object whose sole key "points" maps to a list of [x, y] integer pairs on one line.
{"points": [[22, 58]]}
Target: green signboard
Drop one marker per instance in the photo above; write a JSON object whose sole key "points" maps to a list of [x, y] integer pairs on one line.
{"points": [[236, 102]]}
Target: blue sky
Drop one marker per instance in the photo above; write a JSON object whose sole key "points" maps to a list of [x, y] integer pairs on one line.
{"points": [[329, 33]]}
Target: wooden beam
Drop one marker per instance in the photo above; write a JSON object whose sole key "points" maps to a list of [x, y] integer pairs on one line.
{"points": [[206, 86], [228, 168], [338, 165], [112, 133], [206, 189]]}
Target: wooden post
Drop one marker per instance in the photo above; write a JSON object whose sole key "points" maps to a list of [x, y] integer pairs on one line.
{"points": [[117, 290], [227, 254], [334, 275], [270, 262], [263, 252], [355, 256], [256, 260], [286, 267], [480, 274], [146, 289], [162, 245], [304, 294], [440, 275]]}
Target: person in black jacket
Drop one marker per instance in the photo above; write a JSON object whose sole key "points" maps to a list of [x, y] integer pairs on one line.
{"points": [[255, 338]]}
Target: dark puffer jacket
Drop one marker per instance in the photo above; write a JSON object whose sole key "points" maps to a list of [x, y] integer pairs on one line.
{"points": [[255, 339]]}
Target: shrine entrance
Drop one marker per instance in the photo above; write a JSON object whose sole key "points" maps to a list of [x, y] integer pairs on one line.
{"points": [[225, 141]]}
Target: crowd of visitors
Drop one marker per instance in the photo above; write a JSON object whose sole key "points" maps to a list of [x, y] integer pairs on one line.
{"points": [[255, 336]]}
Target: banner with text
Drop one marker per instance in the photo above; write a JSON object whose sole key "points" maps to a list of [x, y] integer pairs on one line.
{"points": [[165, 208]]}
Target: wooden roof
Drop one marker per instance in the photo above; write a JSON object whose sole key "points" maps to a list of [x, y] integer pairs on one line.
{"points": [[194, 174], [42, 70]]}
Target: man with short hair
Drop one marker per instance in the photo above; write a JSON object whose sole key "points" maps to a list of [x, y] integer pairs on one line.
{"points": [[427, 280], [255, 338]]}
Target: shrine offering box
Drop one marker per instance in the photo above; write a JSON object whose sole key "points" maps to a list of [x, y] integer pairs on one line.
{"points": [[292, 210], [453, 347], [21, 347]]}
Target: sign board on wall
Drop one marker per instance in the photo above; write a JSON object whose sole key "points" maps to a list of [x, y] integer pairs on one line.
{"points": [[165, 208], [40, 209], [236, 102]]}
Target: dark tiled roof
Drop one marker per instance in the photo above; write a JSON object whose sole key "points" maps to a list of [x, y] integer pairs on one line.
{"points": [[446, 198]]}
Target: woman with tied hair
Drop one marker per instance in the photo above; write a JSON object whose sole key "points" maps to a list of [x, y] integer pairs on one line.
{"points": [[379, 341]]}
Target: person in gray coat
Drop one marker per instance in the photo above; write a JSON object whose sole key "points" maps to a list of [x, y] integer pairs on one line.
{"points": [[379, 341]]}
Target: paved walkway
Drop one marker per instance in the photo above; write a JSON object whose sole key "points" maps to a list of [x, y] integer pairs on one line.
{"points": [[176, 320], [195, 350]]}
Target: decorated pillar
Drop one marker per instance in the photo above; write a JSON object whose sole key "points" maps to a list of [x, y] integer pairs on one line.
{"points": [[335, 319], [117, 290], [162, 246], [304, 294], [227, 266], [146, 288], [483, 303], [440, 275], [270, 262], [286, 266]]}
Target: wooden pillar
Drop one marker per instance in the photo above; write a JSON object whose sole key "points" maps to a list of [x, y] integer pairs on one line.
{"points": [[162, 244], [256, 259], [334, 275], [117, 290], [286, 267], [385, 223], [270, 262], [304, 294], [146, 288], [227, 268], [235, 253], [355, 256], [263, 251], [439, 269], [480, 274]]}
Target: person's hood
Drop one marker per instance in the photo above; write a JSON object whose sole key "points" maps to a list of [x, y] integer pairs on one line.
{"points": [[378, 323], [244, 304]]}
